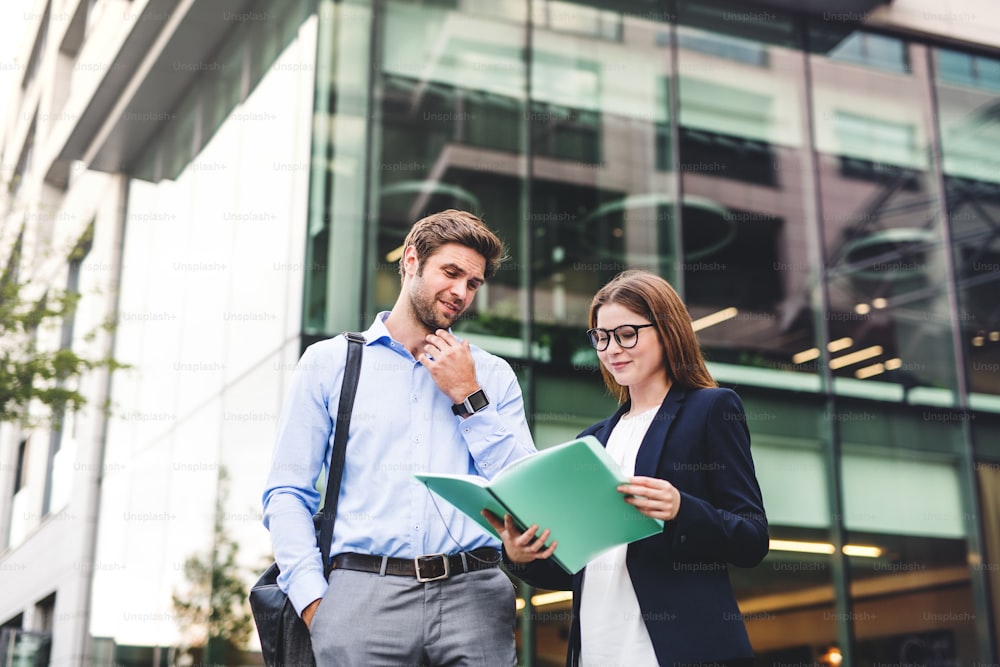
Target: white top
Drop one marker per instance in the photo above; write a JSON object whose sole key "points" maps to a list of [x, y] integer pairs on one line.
{"points": [[612, 632]]}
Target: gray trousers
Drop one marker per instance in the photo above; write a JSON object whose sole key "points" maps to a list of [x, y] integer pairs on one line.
{"points": [[367, 620]]}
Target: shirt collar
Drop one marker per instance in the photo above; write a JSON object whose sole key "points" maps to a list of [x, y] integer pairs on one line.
{"points": [[378, 332]]}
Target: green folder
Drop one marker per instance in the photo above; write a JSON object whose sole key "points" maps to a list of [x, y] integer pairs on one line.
{"points": [[570, 488]]}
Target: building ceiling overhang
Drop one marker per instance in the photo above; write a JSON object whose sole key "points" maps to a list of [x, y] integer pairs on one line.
{"points": [[158, 61], [156, 64], [838, 10], [830, 8]]}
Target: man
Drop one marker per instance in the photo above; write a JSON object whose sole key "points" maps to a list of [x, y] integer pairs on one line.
{"points": [[426, 402]]}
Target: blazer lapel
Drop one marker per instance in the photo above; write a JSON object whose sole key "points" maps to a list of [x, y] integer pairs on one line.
{"points": [[651, 450]]}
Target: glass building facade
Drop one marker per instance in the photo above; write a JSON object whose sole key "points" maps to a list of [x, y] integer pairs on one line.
{"points": [[825, 197]]}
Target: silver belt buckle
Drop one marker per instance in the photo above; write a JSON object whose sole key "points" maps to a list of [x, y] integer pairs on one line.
{"points": [[444, 560]]}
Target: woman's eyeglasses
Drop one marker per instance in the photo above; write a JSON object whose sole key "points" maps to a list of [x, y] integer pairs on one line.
{"points": [[626, 335]]}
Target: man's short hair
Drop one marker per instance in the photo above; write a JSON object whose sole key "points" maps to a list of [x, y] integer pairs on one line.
{"points": [[453, 226]]}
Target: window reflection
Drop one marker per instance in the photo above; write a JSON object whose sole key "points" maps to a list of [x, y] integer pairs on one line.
{"points": [[870, 50], [745, 230], [968, 94], [902, 494], [602, 191], [771, 154], [968, 70], [886, 273], [450, 133], [788, 600]]}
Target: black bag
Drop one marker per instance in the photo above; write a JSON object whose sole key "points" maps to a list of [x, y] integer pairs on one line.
{"points": [[284, 637]]}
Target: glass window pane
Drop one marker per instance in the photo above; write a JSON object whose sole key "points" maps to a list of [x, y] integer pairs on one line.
{"points": [[890, 318], [748, 231], [788, 600], [968, 70], [903, 505], [602, 193], [601, 200], [450, 129], [988, 478], [841, 41], [969, 117]]}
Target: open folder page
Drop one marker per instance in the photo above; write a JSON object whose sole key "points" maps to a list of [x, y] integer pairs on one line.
{"points": [[570, 488]]}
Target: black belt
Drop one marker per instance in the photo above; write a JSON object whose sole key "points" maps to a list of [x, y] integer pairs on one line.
{"points": [[431, 567]]}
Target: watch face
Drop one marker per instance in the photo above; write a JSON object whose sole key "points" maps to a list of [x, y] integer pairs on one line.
{"points": [[478, 401]]}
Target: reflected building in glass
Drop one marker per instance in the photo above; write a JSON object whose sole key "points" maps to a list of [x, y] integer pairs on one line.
{"points": [[820, 183]]}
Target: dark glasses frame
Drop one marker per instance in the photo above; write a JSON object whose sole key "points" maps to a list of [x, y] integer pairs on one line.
{"points": [[597, 345]]}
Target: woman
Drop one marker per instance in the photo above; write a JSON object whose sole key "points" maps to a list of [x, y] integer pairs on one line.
{"points": [[664, 600]]}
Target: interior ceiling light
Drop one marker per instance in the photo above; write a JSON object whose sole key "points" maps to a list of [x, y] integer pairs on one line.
{"points": [[715, 318], [869, 371], [840, 344], [832, 657], [805, 355], [802, 547], [394, 255], [856, 550], [855, 357], [863, 551], [543, 599], [813, 352]]}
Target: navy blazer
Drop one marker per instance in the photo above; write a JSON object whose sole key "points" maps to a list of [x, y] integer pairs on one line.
{"points": [[699, 442]]}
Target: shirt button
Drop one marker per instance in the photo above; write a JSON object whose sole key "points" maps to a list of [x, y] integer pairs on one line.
{"points": [[416, 526]]}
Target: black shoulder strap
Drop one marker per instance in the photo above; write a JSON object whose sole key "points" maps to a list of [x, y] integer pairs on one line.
{"points": [[355, 345]]}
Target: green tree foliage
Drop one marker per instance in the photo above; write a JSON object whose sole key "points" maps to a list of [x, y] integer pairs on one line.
{"points": [[29, 374], [213, 612]]}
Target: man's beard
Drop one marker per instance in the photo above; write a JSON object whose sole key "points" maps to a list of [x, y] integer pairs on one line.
{"points": [[428, 312]]}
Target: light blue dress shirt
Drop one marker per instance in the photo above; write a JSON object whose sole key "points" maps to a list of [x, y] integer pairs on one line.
{"points": [[402, 424]]}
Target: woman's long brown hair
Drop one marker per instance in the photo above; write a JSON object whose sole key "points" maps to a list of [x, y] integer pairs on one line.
{"points": [[651, 296]]}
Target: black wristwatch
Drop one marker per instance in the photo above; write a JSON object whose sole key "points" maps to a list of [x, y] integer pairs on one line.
{"points": [[473, 403]]}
